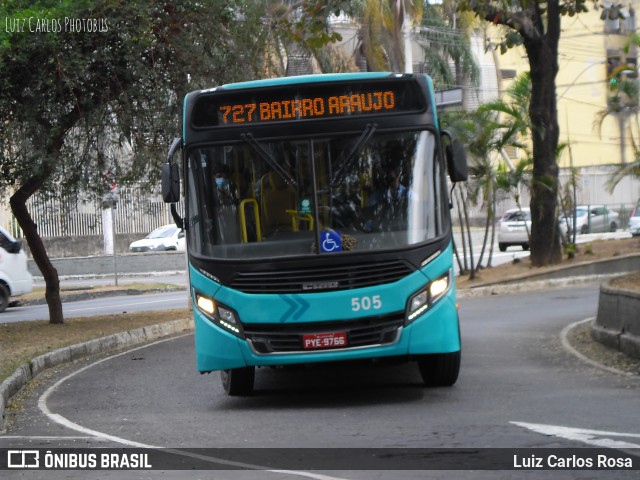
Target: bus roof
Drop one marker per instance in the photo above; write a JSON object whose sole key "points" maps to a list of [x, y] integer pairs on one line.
{"points": [[300, 99], [317, 78]]}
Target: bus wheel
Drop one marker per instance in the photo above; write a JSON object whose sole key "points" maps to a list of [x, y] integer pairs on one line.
{"points": [[439, 370], [4, 297], [238, 381]]}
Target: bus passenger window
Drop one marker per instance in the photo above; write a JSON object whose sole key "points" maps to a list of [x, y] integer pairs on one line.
{"points": [[226, 213]]}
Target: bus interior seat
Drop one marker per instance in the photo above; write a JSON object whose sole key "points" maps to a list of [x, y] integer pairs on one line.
{"points": [[277, 198]]}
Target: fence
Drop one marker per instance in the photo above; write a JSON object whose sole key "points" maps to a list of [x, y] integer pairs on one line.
{"points": [[70, 216], [65, 217], [592, 189]]}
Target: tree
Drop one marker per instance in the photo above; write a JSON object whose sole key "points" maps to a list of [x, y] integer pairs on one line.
{"points": [[536, 26], [73, 96], [445, 37], [624, 102], [486, 132], [382, 43], [300, 28]]}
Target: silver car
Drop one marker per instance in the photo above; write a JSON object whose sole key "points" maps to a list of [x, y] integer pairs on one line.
{"points": [[634, 223], [515, 229], [594, 218]]}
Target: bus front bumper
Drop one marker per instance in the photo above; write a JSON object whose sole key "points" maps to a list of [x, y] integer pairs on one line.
{"points": [[436, 331]]}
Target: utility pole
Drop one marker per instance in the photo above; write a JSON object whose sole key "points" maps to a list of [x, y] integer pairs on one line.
{"points": [[406, 33]]}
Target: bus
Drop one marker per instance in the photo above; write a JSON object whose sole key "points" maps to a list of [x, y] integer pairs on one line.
{"points": [[316, 211]]}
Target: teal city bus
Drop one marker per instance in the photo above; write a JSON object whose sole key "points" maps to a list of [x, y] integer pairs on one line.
{"points": [[317, 221]]}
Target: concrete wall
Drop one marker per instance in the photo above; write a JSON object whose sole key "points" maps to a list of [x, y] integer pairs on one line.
{"points": [[125, 264], [58, 247], [618, 322]]}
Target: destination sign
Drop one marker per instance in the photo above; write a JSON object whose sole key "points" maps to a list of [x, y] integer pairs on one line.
{"points": [[293, 103]]}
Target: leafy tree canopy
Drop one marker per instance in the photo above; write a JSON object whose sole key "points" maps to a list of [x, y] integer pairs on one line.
{"points": [[77, 100]]}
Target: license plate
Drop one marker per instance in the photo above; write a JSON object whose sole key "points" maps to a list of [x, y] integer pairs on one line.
{"points": [[324, 340]]}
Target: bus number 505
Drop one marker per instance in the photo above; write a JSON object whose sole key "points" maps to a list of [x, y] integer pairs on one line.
{"points": [[366, 303]]}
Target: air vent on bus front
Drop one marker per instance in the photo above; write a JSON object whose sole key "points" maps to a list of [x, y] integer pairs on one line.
{"points": [[321, 278]]}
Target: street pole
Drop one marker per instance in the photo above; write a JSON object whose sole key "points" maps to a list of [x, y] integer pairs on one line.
{"points": [[408, 50], [113, 234]]}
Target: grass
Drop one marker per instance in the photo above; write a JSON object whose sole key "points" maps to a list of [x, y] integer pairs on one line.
{"points": [[22, 341], [584, 253]]}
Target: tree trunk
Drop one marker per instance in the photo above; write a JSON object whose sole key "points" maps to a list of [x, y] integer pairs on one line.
{"points": [[465, 210], [30, 229], [494, 202], [18, 204], [542, 52], [464, 269]]}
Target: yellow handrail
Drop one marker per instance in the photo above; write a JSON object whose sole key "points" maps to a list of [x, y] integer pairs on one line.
{"points": [[297, 218], [244, 237]]}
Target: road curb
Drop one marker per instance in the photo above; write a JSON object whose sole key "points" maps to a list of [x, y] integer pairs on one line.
{"points": [[28, 371], [566, 343], [502, 289]]}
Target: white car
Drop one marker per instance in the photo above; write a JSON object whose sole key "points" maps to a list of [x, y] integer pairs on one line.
{"points": [[515, 229], [15, 278], [634, 223], [594, 218], [167, 237]]}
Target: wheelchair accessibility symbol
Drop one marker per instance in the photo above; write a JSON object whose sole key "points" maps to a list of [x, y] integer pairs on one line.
{"points": [[331, 242]]}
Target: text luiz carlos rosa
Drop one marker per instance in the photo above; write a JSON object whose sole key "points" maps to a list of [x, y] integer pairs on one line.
{"points": [[572, 462]]}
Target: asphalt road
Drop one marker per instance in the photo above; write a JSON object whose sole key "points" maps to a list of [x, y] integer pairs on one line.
{"points": [[518, 388], [100, 306]]}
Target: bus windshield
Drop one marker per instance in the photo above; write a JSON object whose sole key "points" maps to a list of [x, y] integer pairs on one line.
{"points": [[259, 199]]}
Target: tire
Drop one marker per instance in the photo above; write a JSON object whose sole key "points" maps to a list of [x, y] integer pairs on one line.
{"points": [[502, 247], [4, 297], [238, 381], [525, 247], [613, 227], [439, 370], [584, 229]]}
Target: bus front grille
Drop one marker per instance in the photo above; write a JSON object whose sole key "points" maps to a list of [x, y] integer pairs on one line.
{"points": [[286, 338], [321, 278]]}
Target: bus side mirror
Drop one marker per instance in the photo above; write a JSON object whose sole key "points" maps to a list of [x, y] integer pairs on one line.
{"points": [[170, 183], [457, 162], [171, 175]]}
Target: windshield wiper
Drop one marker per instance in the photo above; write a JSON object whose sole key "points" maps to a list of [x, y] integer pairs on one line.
{"points": [[355, 151], [266, 156]]}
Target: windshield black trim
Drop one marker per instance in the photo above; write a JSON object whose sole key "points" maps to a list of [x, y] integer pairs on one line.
{"points": [[226, 270]]}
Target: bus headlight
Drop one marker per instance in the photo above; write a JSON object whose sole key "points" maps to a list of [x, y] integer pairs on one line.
{"points": [[422, 300], [219, 314]]}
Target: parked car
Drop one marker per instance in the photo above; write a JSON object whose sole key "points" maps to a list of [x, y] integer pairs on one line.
{"points": [[634, 222], [167, 237], [594, 218], [515, 228], [15, 278]]}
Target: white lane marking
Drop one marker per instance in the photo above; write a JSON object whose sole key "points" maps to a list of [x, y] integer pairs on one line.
{"points": [[44, 437], [35, 309], [590, 437], [565, 343], [44, 408]]}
